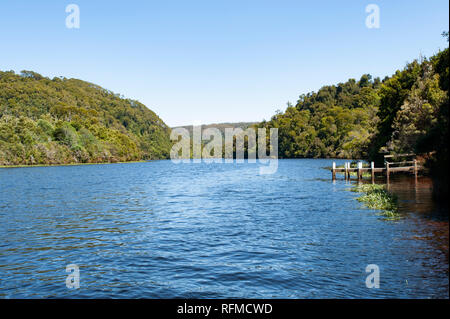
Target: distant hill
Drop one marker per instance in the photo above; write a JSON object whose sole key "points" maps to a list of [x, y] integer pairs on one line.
{"points": [[60, 121]]}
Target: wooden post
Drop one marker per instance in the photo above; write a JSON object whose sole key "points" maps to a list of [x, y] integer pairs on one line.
{"points": [[387, 172], [359, 171], [346, 171], [372, 170], [333, 172], [415, 174], [415, 168]]}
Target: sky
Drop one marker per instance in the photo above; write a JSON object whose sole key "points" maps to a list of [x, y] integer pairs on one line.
{"points": [[199, 62]]}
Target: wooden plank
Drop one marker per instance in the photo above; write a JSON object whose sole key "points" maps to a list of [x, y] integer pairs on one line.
{"points": [[401, 169], [404, 162], [364, 169], [398, 155]]}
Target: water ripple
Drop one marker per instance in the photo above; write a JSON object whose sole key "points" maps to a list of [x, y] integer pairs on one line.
{"points": [[160, 230]]}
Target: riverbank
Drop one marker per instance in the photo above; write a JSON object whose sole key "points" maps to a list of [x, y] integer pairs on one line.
{"points": [[70, 164]]}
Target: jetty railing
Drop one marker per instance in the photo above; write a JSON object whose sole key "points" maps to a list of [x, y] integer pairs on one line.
{"points": [[387, 170]]}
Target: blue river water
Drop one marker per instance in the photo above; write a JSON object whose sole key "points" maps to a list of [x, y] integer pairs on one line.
{"points": [[164, 230]]}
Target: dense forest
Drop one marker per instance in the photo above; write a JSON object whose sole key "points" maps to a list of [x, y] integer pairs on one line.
{"points": [[407, 112], [337, 121], [59, 121]]}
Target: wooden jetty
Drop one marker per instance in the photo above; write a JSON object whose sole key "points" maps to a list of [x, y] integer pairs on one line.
{"points": [[389, 168]]}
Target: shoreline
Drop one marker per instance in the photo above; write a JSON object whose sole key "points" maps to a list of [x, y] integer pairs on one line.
{"points": [[71, 164]]}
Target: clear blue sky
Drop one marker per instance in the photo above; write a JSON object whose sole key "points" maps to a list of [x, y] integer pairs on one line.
{"points": [[217, 60]]}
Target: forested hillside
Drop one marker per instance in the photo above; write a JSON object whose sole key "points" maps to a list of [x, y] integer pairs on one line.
{"points": [[59, 120], [407, 112], [337, 121], [404, 113]]}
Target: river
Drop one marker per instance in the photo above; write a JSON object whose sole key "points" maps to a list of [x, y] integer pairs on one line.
{"points": [[163, 230]]}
